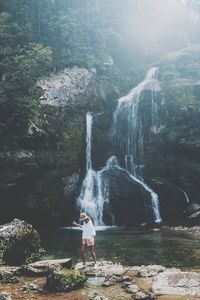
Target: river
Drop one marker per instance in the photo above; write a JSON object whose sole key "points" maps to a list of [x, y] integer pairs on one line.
{"points": [[167, 247]]}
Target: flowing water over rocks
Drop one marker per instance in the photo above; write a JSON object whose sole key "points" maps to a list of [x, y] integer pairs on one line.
{"points": [[94, 191], [127, 135]]}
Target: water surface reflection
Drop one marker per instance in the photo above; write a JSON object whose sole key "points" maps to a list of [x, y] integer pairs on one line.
{"points": [[130, 247]]}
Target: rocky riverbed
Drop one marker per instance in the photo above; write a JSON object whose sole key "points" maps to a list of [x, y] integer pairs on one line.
{"points": [[61, 279], [107, 281]]}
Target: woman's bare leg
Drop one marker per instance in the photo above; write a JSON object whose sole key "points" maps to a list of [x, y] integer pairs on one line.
{"points": [[83, 251], [92, 252]]}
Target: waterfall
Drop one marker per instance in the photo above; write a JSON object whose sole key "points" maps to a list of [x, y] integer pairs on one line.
{"points": [[128, 132], [128, 136], [88, 141], [95, 190], [186, 196]]}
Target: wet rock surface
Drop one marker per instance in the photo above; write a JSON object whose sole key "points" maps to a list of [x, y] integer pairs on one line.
{"points": [[191, 231], [130, 202], [108, 281], [173, 282], [40, 268], [69, 86], [151, 270]]}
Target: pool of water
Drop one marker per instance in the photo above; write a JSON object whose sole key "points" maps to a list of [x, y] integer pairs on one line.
{"points": [[129, 247]]}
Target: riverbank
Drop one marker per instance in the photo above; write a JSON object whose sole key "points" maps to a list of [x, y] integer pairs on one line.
{"points": [[177, 277], [113, 282]]}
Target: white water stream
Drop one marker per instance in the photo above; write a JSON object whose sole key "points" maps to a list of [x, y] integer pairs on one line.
{"points": [[127, 134]]}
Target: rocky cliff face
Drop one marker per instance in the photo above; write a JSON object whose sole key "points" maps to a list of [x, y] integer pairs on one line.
{"points": [[41, 181]]}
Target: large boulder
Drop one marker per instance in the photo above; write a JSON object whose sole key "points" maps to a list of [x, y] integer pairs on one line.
{"points": [[130, 202], [175, 282], [173, 201], [19, 241], [41, 268], [61, 279]]}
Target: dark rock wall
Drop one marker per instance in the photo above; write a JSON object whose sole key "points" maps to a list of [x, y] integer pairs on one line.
{"points": [[41, 180]]}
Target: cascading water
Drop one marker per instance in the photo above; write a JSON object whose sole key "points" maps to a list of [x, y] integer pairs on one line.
{"points": [[186, 196], [128, 133], [95, 191], [127, 129]]}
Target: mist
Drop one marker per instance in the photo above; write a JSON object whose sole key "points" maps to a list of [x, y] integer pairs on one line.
{"points": [[158, 26]]}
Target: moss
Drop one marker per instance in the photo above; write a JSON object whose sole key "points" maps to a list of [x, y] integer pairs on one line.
{"points": [[22, 245], [72, 277], [62, 279]]}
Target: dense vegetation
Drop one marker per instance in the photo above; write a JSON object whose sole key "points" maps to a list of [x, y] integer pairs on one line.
{"points": [[40, 36]]}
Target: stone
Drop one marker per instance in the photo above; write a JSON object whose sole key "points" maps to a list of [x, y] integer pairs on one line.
{"points": [[5, 296], [60, 279], [172, 201], [195, 215], [122, 190], [41, 268], [8, 275], [132, 289], [126, 278], [150, 271], [19, 241], [173, 282], [99, 297], [71, 183], [104, 269], [111, 280], [192, 208], [125, 284], [30, 287], [108, 283], [143, 296], [70, 86]]}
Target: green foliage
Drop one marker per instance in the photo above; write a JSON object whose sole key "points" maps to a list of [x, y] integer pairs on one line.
{"points": [[62, 279], [72, 277], [35, 256], [181, 100], [181, 64]]}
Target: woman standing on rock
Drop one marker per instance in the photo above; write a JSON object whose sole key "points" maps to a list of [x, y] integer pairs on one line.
{"points": [[88, 235]]}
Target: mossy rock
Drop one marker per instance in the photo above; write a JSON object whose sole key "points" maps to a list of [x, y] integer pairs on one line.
{"points": [[62, 279], [19, 243]]}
